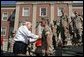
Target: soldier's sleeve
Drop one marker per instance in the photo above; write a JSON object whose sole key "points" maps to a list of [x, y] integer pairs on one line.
{"points": [[48, 30], [81, 18]]}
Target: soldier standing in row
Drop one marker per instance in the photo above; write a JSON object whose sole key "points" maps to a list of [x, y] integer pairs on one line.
{"points": [[46, 33], [79, 25], [65, 25]]}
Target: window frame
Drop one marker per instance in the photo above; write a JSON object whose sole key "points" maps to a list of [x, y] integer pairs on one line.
{"points": [[3, 16], [24, 10], [2, 31], [59, 11], [40, 11]]}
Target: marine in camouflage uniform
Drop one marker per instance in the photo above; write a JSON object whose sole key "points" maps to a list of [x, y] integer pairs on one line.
{"points": [[54, 35], [47, 38], [46, 33], [65, 25], [49, 35], [79, 25]]}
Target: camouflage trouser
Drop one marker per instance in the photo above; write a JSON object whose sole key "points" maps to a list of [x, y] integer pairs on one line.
{"points": [[80, 34], [49, 44], [50, 51]]}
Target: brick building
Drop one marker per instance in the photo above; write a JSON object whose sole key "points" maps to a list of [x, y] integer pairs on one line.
{"points": [[33, 11], [13, 15], [7, 23]]}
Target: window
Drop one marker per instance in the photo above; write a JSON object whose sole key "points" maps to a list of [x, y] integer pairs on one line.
{"points": [[25, 12], [60, 11], [3, 31], [43, 11], [4, 16]]}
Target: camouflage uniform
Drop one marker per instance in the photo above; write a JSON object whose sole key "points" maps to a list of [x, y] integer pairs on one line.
{"points": [[46, 33], [54, 31], [66, 27], [49, 40], [79, 25]]}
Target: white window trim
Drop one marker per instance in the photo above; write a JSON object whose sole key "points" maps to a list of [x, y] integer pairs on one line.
{"points": [[23, 11], [5, 32], [58, 13], [46, 11], [2, 16]]}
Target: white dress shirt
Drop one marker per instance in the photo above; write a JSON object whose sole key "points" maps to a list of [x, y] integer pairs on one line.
{"points": [[23, 34]]}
